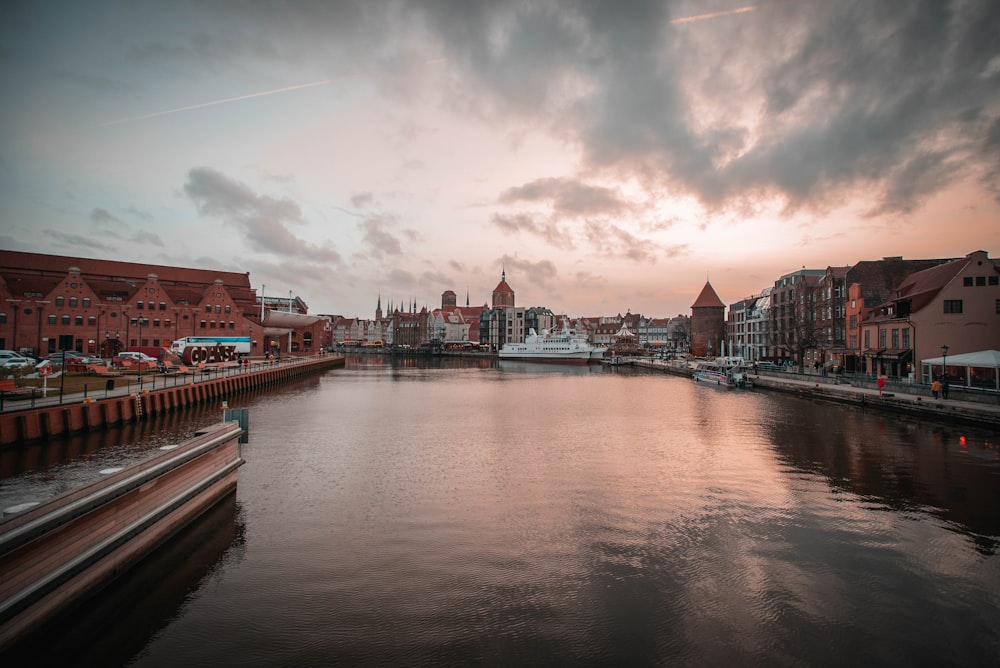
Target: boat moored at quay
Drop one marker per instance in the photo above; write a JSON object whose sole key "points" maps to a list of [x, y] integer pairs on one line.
{"points": [[562, 347], [729, 372]]}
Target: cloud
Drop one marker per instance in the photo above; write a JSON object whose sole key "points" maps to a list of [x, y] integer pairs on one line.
{"points": [[568, 197], [77, 241], [542, 273], [806, 101], [362, 200], [546, 229], [261, 219], [375, 234], [103, 218]]}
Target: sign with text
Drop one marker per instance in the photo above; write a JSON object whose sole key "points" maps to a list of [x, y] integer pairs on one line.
{"points": [[209, 354]]}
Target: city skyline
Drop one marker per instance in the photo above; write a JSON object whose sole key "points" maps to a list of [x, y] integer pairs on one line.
{"points": [[609, 158]]}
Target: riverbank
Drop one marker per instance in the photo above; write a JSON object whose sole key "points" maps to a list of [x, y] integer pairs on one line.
{"points": [[37, 418], [823, 388]]}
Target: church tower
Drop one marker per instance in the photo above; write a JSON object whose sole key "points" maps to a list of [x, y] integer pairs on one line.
{"points": [[503, 295], [378, 309]]}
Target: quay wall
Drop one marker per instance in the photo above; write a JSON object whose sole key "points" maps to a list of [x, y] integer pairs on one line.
{"points": [[55, 554], [34, 424], [902, 403]]}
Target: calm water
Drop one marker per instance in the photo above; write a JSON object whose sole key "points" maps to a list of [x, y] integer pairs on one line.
{"points": [[523, 514]]}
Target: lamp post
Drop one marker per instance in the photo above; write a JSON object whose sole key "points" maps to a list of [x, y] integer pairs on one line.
{"points": [[141, 363], [944, 361]]}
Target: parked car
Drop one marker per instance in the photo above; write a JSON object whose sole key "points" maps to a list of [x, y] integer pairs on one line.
{"points": [[133, 358], [16, 362], [58, 356]]}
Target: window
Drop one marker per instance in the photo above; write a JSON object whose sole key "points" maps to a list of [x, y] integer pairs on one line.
{"points": [[228, 308], [73, 301], [52, 318], [152, 306], [212, 325], [881, 338], [86, 302], [92, 320], [78, 321], [906, 339], [163, 306], [166, 322], [998, 306], [967, 281], [232, 325], [952, 305], [139, 306], [868, 338], [218, 308], [980, 281], [203, 324], [65, 320], [994, 280], [156, 322], [895, 339], [60, 301]]}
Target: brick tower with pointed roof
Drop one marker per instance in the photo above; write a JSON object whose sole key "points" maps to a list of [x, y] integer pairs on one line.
{"points": [[503, 295], [708, 323]]}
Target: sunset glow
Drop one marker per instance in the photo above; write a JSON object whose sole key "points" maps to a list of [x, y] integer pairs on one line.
{"points": [[608, 162]]}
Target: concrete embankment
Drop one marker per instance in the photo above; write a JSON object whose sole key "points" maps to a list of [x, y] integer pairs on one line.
{"points": [[917, 405], [904, 403], [78, 414]]}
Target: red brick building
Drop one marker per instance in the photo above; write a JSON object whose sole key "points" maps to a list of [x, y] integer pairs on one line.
{"points": [[101, 307], [708, 323]]}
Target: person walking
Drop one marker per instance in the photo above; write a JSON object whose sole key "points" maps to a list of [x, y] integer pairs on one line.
{"points": [[945, 386], [936, 388], [881, 384]]}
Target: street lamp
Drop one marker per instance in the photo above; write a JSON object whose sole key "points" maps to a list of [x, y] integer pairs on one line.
{"points": [[141, 363], [944, 361]]}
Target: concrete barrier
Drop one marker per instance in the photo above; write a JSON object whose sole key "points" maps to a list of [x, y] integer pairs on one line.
{"points": [[52, 556]]}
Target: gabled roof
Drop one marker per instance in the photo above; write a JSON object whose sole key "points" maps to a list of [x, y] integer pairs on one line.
{"points": [[922, 286], [708, 298]]}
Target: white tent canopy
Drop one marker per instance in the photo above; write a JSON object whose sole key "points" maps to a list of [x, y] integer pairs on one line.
{"points": [[979, 369]]}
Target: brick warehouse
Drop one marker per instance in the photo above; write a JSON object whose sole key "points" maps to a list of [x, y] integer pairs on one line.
{"points": [[101, 307]]}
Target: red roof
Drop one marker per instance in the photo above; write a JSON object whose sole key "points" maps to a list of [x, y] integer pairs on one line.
{"points": [[708, 298]]}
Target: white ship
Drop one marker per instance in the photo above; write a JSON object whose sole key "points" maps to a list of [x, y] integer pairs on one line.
{"points": [[565, 347]]}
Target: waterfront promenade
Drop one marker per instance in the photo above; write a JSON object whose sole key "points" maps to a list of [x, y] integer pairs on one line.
{"points": [[130, 384], [40, 418], [897, 398]]}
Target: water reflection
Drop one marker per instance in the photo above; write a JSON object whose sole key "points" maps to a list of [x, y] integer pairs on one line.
{"points": [[434, 511], [899, 463]]}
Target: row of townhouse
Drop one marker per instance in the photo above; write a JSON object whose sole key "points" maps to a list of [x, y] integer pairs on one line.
{"points": [[877, 317], [490, 326]]}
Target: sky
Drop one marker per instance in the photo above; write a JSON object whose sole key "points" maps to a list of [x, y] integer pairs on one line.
{"points": [[608, 156]]}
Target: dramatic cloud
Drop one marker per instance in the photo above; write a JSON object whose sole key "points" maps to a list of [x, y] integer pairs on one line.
{"points": [[723, 135]]}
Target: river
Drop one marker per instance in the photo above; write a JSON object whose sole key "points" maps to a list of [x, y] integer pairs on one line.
{"points": [[446, 513]]}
